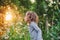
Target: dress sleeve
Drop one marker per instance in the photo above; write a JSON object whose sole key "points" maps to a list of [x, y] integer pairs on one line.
{"points": [[35, 27]]}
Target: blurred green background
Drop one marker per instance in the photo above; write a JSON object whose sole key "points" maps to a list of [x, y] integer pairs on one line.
{"points": [[49, 18]]}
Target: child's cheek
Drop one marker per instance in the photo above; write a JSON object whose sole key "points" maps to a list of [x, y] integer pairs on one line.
{"points": [[25, 19]]}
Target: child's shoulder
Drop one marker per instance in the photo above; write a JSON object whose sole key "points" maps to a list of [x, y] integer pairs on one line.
{"points": [[33, 23]]}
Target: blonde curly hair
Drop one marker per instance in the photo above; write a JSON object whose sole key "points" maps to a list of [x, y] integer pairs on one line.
{"points": [[32, 16]]}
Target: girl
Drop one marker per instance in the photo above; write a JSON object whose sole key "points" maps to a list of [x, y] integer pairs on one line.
{"points": [[32, 19]]}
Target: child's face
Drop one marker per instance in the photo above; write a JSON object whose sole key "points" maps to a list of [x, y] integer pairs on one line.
{"points": [[26, 18]]}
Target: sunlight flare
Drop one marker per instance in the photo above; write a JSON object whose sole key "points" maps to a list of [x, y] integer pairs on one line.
{"points": [[32, 1], [8, 16]]}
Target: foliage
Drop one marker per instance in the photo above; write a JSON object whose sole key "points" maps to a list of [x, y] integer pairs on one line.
{"points": [[48, 12], [19, 32]]}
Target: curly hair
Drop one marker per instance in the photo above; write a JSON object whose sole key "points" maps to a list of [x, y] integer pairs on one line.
{"points": [[32, 16]]}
